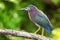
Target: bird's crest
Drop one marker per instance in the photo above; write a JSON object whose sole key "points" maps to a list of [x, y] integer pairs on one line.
{"points": [[31, 6]]}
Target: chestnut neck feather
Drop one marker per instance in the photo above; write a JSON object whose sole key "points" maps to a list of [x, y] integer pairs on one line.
{"points": [[32, 13]]}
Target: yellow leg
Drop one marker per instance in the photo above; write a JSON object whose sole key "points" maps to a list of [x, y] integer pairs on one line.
{"points": [[42, 31], [37, 30]]}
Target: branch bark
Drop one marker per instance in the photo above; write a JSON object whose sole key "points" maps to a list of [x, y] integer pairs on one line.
{"points": [[23, 34]]}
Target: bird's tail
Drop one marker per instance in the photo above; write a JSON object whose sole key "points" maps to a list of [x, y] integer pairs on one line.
{"points": [[48, 29]]}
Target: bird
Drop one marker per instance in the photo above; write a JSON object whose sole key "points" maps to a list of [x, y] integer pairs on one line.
{"points": [[39, 18]]}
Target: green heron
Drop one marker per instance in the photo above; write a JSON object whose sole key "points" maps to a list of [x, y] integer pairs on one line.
{"points": [[38, 18]]}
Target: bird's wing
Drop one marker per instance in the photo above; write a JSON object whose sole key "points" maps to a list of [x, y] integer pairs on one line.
{"points": [[41, 18]]}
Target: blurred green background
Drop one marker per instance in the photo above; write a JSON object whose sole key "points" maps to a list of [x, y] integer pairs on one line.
{"points": [[12, 18]]}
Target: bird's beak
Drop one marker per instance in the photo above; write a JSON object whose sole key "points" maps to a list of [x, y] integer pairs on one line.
{"points": [[24, 8]]}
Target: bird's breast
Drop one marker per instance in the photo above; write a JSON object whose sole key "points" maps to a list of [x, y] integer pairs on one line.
{"points": [[32, 16]]}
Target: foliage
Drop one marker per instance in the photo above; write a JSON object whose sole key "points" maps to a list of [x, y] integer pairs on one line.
{"points": [[12, 18], [56, 34]]}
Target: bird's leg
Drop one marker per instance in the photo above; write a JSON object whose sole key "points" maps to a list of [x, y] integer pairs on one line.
{"points": [[37, 30], [42, 31]]}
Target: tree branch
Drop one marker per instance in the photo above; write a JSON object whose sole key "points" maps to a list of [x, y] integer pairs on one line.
{"points": [[22, 34]]}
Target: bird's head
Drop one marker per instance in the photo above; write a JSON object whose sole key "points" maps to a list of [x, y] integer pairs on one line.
{"points": [[29, 7]]}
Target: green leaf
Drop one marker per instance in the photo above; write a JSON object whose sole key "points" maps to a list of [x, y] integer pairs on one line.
{"points": [[2, 6], [1, 25], [55, 1], [16, 38]]}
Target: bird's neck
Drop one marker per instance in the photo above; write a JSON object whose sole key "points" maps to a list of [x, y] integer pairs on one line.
{"points": [[32, 13]]}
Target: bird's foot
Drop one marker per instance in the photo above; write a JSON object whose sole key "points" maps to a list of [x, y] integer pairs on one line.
{"points": [[37, 30], [42, 32]]}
